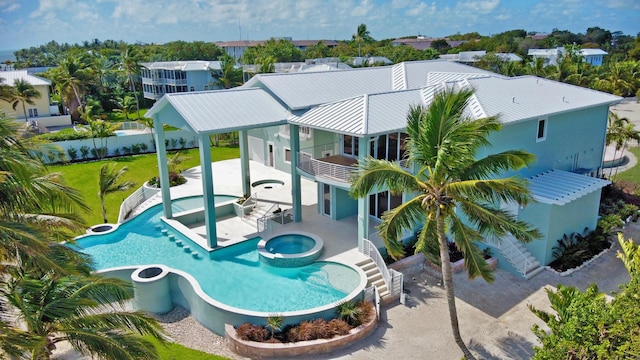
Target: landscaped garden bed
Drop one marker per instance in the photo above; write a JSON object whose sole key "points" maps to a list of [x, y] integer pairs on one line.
{"points": [[317, 336]]}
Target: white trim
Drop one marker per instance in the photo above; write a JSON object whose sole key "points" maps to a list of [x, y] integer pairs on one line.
{"points": [[284, 154]]}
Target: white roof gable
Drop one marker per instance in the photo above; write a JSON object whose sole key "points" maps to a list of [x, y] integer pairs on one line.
{"points": [[224, 110], [559, 187], [10, 76]]}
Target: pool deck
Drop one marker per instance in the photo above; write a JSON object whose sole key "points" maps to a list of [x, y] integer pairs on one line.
{"points": [[340, 237]]}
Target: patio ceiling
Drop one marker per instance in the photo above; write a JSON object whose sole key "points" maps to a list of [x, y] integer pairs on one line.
{"points": [[211, 112]]}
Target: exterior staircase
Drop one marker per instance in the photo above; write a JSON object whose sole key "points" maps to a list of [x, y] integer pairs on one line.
{"points": [[374, 278], [519, 257]]}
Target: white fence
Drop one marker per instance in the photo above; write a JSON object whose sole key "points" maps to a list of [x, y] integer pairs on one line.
{"points": [[134, 200], [119, 145]]}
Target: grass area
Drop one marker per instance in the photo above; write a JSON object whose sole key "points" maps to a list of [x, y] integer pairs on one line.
{"points": [[119, 117], [173, 351], [141, 168], [632, 175]]}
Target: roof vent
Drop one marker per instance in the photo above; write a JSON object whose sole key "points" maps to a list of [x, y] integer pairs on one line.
{"points": [[513, 99]]}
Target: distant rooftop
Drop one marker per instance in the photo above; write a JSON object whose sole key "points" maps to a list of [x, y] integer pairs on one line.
{"points": [[193, 65], [12, 75]]}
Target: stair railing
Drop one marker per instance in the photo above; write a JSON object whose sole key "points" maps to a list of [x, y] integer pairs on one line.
{"points": [[371, 251], [511, 246]]}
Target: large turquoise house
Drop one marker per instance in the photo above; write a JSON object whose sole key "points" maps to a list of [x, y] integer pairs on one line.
{"points": [[317, 125]]}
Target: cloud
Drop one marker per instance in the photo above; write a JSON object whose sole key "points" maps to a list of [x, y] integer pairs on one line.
{"points": [[9, 6], [477, 6]]}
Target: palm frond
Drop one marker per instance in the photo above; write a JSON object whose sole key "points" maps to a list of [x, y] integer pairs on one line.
{"points": [[497, 163], [466, 240], [497, 223], [376, 175], [395, 221], [492, 190], [427, 242]]}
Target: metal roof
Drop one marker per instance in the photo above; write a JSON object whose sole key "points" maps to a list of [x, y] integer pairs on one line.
{"points": [[304, 90], [363, 115], [559, 187], [10, 77], [527, 97], [223, 110]]}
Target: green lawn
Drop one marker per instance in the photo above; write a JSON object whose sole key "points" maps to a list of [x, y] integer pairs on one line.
{"points": [[632, 175], [84, 177], [173, 351]]}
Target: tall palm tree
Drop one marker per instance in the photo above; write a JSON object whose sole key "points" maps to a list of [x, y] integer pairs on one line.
{"points": [[362, 34], [86, 311], [449, 182], [72, 75], [129, 63], [109, 182], [23, 93]]}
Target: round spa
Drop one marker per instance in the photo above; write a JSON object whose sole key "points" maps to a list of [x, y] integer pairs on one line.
{"points": [[290, 250]]}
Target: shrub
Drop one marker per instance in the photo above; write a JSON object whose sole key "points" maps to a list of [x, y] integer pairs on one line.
{"points": [[349, 312], [126, 150], [610, 222], [249, 332], [135, 148], [174, 143], [338, 327], [574, 249], [144, 147], [64, 135], [175, 179], [73, 153], [628, 211], [116, 152], [51, 156], [183, 142], [84, 152]]}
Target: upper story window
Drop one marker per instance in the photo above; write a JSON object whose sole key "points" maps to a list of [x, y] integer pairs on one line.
{"points": [[33, 112], [542, 130]]}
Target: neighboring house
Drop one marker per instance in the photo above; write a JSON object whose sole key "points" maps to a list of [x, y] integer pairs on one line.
{"points": [[475, 56], [237, 48], [551, 56], [43, 112], [369, 61], [317, 125], [321, 64], [423, 42], [163, 77]]}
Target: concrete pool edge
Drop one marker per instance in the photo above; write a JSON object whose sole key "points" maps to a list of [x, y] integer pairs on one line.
{"points": [[280, 259], [185, 291]]}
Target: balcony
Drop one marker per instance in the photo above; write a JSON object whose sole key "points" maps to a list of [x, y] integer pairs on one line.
{"points": [[335, 167]]}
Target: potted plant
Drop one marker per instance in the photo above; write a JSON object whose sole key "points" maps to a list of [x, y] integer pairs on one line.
{"points": [[241, 207]]}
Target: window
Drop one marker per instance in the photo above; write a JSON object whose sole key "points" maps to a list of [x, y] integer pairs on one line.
{"points": [[287, 155], [33, 112], [350, 145], [542, 130], [193, 88]]}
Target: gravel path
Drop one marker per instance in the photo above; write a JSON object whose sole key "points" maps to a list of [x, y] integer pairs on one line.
{"points": [[185, 330]]}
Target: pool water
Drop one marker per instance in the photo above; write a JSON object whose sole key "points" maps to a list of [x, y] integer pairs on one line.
{"points": [[290, 244], [234, 275]]}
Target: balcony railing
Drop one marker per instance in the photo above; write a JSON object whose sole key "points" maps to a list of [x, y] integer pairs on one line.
{"points": [[323, 168]]}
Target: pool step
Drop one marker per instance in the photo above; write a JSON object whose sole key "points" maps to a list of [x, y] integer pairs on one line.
{"points": [[374, 277]]}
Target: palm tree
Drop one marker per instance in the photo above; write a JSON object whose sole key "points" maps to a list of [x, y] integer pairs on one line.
{"points": [[71, 75], [86, 311], [265, 64], [98, 129], [274, 323], [23, 93], [362, 34], [148, 123], [229, 76], [109, 182], [126, 106], [449, 182], [620, 131], [37, 209], [130, 65]]}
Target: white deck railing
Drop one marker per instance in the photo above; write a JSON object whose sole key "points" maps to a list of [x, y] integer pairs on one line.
{"points": [[372, 251], [129, 125], [520, 261], [134, 200], [316, 167], [262, 223]]}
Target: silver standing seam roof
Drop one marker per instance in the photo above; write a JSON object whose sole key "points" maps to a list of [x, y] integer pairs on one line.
{"points": [[559, 187], [224, 110]]}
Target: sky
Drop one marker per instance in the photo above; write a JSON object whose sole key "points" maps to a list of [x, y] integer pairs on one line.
{"points": [[26, 23]]}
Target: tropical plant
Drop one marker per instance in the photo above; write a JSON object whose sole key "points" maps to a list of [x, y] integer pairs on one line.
{"points": [[109, 182], [71, 77], [229, 75], [100, 130], [586, 325], [448, 183], [126, 106], [87, 311], [274, 323], [619, 132], [362, 34], [37, 209], [129, 63], [22, 92]]}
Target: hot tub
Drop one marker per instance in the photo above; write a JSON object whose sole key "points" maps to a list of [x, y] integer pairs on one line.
{"points": [[290, 250]]}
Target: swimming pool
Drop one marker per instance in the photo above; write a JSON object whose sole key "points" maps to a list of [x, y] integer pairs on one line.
{"points": [[232, 279]]}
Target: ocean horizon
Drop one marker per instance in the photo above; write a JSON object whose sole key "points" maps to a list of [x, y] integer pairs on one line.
{"points": [[7, 55]]}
